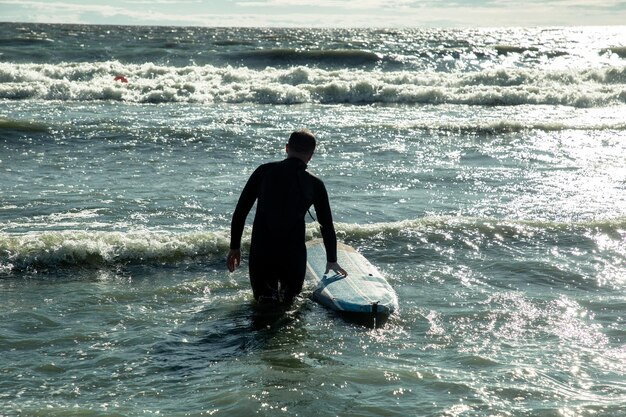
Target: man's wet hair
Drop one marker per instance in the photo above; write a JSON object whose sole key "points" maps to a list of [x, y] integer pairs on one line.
{"points": [[302, 141]]}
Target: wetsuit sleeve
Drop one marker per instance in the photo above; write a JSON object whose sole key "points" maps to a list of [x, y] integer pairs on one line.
{"points": [[325, 219], [246, 201]]}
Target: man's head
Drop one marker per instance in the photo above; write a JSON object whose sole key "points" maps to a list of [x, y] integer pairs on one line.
{"points": [[301, 145]]}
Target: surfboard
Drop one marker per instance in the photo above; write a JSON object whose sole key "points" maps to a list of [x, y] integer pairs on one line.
{"points": [[363, 293]]}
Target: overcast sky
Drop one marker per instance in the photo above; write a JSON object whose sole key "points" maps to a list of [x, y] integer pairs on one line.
{"points": [[319, 13]]}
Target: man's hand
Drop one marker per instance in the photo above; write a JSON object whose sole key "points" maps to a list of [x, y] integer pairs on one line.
{"points": [[233, 259], [335, 267]]}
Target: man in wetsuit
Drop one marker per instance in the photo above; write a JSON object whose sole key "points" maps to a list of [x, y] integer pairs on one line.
{"points": [[285, 191]]}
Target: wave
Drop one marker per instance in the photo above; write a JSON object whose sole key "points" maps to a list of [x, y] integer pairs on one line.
{"points": [[528, 50], [620, 51], [23, 126], [25, 41], [484, 226], [44, 250], [514, 49], [503, 126], [328, 57], [41, 251], [150, 83]]}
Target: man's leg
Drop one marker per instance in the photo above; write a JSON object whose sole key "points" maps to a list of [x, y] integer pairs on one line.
{"points": [[292, 277]]}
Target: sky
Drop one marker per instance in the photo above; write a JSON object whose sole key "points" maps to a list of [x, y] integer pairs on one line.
{"points": [[319, 13]]}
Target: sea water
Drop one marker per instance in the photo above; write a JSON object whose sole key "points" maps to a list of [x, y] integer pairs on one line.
{"points": [[483, 171]]}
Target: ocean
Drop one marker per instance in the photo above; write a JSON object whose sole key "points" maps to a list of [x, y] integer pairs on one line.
{"points": [[482, 171]]}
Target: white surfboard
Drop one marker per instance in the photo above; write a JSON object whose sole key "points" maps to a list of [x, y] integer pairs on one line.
{"points": [[364, 292]]}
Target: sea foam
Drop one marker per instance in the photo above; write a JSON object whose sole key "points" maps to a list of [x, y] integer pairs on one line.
{"points": [[42, 250], [150, 83], [35, 251]]}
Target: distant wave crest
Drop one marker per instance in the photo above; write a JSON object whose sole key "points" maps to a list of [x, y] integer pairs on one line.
{"points": [[336, 57], [149, 83], [22, 126]]}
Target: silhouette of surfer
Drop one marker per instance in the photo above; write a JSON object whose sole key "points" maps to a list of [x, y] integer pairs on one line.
{"points": [[285, 191]]}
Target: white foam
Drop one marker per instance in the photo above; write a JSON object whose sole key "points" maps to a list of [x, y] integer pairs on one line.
{"points": [[95, 248], [205, 84], [30, 251]]}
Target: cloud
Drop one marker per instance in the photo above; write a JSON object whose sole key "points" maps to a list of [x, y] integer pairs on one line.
{"points": [[39, 6], [334, 4], [59, 12], [152, 2], [320, 13]]}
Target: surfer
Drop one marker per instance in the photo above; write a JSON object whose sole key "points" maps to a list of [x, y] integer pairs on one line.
{"points": [[285, 191]]}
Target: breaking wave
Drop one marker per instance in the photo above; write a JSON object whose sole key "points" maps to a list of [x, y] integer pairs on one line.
{"points": [[42, 250], [150, 83], [37, 251]]}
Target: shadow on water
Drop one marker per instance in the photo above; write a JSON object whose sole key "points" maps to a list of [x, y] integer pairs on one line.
{"points": [[212, 336]]}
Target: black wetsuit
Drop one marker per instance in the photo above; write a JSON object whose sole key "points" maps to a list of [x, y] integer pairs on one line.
{"points": [[285, 191]]}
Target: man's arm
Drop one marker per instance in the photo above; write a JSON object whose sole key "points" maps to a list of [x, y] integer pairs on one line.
{"points": [[246, 201], [325, 219]]}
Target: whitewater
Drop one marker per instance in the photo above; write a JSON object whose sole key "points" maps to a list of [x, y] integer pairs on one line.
{"points": [[208, 84]]}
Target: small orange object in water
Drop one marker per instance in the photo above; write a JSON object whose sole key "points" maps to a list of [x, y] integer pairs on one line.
{"points": [[120, 78]]}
